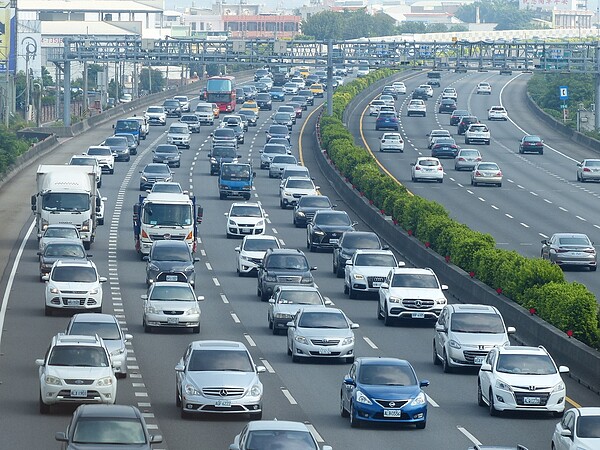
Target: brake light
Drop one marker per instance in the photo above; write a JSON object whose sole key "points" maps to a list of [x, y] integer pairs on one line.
{"points": [[417, 167], [585, 169], [478, 158], [499, 174], [561, 250], [461, 159], [589, 250], [440, 168], [477, 173]]}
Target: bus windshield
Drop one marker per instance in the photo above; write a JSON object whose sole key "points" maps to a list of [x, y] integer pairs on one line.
{"points": [[219, 85], [161, 214]]}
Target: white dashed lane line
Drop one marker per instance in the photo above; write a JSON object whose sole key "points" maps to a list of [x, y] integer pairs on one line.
{"points": [[224, 298], [216, 281], [208, 266], [370, 342], [267, 365], [289, 396], [250, 340], [468, 435], [235, 318]]}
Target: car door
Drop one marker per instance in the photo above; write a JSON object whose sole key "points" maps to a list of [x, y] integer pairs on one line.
{"points": [[567, 423], [441, 337], [180, 376], [292, 332], [384, 292], [348, 390], [487, 378]]}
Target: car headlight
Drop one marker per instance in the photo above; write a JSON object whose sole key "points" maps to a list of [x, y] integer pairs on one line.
{"points": [[301, 339], [395, 300], [345, 256], [504, 386], [287, 193], [362, 398], [419, 400], [441, 301], [270, 278], [256, 390], [106, 381], [94, 291], [347, 341], [213, 160], [192, 311], [231, 223], [454, 344], [153, 267], [306, 280], [55, 291], [559, 387], [144, 178], [301, 214], [358, 276], [191, 390], [151, 310], [189, 269], [118, 351], [55, 381], [260, 223], [280, 315]]}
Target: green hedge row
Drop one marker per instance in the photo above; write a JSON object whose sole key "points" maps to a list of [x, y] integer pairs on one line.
{"points": [[11, 147], [531, 282]]}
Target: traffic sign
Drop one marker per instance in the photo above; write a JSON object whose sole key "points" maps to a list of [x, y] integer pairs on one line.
{"points": [[563, 92]]}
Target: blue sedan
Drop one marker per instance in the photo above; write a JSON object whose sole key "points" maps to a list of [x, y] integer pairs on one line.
{"points": [[383, 390]]}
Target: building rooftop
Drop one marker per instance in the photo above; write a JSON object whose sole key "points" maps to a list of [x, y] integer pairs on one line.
{"points": [[124, 6]]}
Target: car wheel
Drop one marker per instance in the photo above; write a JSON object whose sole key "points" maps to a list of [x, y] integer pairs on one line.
{"points": [[480, 401], [487, 143], [111, 171], [354, 421], [256, 415], [289, 352], [177, 398], [578, 177], [222, 196], [493, 410], [541, 152], [101, 221], [349, 359], [387, 320], [184, 413], [295, 358], [436, 359], [421, 425], [339, 272], [592, 268], [121, 375], [467, 141], [343, 411], [352, 293], [445, 364], [47, 311], [264, 296], [379, 311], [345, 288], [499, 185], [44, 409], [147, 328], [196, 330], [441, 180]]}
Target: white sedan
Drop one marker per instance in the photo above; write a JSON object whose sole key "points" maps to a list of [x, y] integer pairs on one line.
{"points": [[484, 88], [427, 168], [449, 93], [392, 142], [400, 87], [579, 429]]}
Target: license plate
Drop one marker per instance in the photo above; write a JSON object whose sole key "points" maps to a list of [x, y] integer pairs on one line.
{"points": [[324, 351], [223, 403], [376, 284], [171, 277], [531, 400], [173, 320], [73, 302], [334, 241], [478, 360], [418, 315], [392, 413], [78, 393], [245, 230]]}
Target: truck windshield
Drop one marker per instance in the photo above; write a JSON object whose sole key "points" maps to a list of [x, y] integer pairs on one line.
{"points": [[157, 214], [65, 201], [127, 126], [235, 173]]}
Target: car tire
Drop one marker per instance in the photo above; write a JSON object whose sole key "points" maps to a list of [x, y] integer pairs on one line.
{"points": [[354, 421], [121, 375], [196, 330], [441, 180], [421, 425], [44, 409], [349, 359], [47, 311], [147, 328], [487, 143], [480, 401], [499, 185], [387, 320], [436, 359], [339, 272], [343, 412], [493, 411], [352, 293], [264, 296], [256, 415], [295, 358], [101, 221], [346, 290], [177, 399], [558, 414], [541, 152], [592, 268], [184, 414], [222, 196], [445, 364]]}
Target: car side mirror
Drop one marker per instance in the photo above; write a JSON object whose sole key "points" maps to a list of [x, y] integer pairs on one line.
{"points": [[39, 362], [290, 325], [144, 296], [440, 328], [564, 432], [313, 268], [412, 164], [146, 258], [424, 383], [237, 249], [261, 369], [384, 286], [129, 337], [272, 301], [511, 330], [46, 278], [156, 438], [563, 369], [39, 253], [545, 241], [200, 298], [102, 279], [485, 367], [349, 382], [354, 326], [253, 174], [179, 368], [196, 260], [444, 287], [401, 264], [61, 436]]}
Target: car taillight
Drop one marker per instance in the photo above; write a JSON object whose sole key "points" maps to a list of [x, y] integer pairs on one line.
{"points": [[562, 250], [461, 159], [417, 167], [585, 169], [477, 173], [440, 168], [499, 174], [478, 158]]}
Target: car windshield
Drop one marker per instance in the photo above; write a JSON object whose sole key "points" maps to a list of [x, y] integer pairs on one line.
{"points": [[444, 140], [588, 427], [224, 152], [386, 114], [280, 440], [314, 202], [156, 109], [171, 103], [303, 183], [106, 330], [469, 153], [332, 219], [387, 375], [531, 138], [523, 364], [280, 141], [259, 245], [74, 274], [220, 360], [287, 262], [116, 141], [179, 130], [245, 211], [460, 112], [224, 133], [170, 253], [284, 159], [65, 201], [414, 280], [592, 163], [278, 129], [282, 116], [99, 151], [180, 98], [476, 323], [488, 166], [65, 250], [167, 149], [316, 319], [157, 168], [375, 260], [189, 118], [174, 188], [78, 355], [78, 161], [61, 233], [352, 240], [428, 163], [300, 297], [295, 173], [175, 215], [172, 293], [204, 108], [478, 128], [574, 240], [109, 431]]}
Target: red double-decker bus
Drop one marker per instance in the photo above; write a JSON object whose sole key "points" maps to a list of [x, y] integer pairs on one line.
{"points": [[221, 90]]}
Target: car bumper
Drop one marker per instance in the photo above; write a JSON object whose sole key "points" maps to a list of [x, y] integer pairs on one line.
{"points": [[487, 180], [321, 351], [575, 261], [590, 176], [400, 312], [395, 148], [52, 395], [465, 358], [156, 121], [200, 404], [376, 413], [181, 321], [281, 323], [73, 302], [416, 113], [465, 165], [244, 231], [437, 175], [497, 117], [514, 401], [122, 156]]}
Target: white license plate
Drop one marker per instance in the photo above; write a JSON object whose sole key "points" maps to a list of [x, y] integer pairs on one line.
{"points": [[478, 359], [73, 302], [428, 170], [392, 413], [576, 253], [173, 320], [418, 315], [78, 393], [171, 277], [223, 403], [324, 351], [531, 400], [334, 241], [245, 230], [376, 284]]}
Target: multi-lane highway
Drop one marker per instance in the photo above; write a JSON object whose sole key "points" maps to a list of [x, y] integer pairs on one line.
{"points": [[307, 392]]}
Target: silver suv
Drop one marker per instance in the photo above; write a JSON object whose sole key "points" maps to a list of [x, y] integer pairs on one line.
{"points": [[283, 266], [464, 334]]}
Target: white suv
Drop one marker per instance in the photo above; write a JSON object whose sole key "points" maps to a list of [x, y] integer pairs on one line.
{"points": [[293, 188], [252, 252], [244, 219], [410, 293], [367, 270], [416, 107], [464, 334], [105, 157], [179, 134], [76, 369], [497, 113], [521, 379], [477, 133], [73, 285]]}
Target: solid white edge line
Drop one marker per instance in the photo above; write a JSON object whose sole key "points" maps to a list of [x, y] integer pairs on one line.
{"points": [[468, 435], [289, 396], [314, 432], [11, 279]]}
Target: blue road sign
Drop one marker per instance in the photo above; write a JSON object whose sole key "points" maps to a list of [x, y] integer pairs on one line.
{"points": [[563, 92]]}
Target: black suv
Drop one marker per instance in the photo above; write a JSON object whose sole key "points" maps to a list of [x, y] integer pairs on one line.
{"points": [[283, 266], [170, 260], [458, 114], [220, 155], [464, 123], [349, 243], [326, 228], [264, 101], [307, 206], [172, 108], [420, 93]]}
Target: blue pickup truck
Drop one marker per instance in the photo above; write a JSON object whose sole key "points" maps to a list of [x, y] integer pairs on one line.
{"points": [[131, 126], [236, 180]]}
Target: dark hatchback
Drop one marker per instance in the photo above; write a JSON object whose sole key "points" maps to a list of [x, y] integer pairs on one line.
{"points": [[444, 148], [457, 114], [464, 123], [326, 228], [264, 101], [447, 106], [420, 93], [307, 206], [170, 260], [349, 243], [168, 154]]}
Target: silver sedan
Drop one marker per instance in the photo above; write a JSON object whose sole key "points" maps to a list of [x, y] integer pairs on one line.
{"points": [[486, 173], [467, 158], [588, 169], [570, 249]]}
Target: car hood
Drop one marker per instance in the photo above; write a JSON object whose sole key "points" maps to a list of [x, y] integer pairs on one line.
{"points": [[334, 228], [476, 340], [389, 392], [247, 220], [290, 308], [524, 381], [222, 378], [416, 293], [172, 266], [160, 305], [72, 286], [73, 446], [372, 271], [320, 333], [74, 372]]}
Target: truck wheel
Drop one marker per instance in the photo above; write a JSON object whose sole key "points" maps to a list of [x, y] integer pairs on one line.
{"points": [[222, 196], [112, 171]]}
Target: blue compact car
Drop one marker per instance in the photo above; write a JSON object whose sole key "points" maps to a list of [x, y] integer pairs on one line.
{"points": [[383, 390], [277, 95]]}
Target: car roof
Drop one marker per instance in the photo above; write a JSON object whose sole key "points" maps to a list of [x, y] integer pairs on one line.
{"points": [[373, 252], [221, 345], [169, 243], [413, 270], [74, 262], [474, 308], [587, 411], [522, 350], [77, 339], [254, 204], [252, 237], [264, 425], [120, 411], [375, 360], [283, 287], [94, 317], [320, 309]]}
